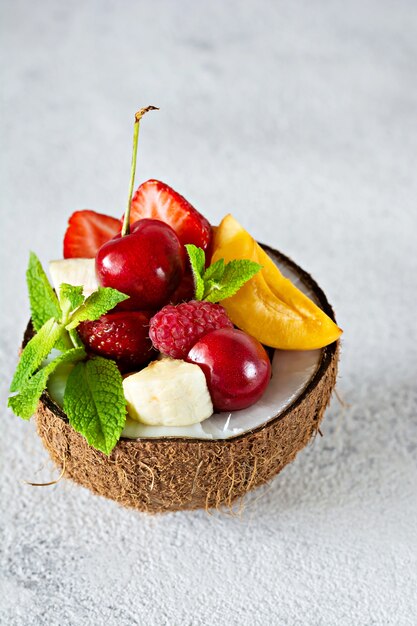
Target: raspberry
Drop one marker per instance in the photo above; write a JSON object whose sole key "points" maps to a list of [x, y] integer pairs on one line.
{"points": [[175, 329]]}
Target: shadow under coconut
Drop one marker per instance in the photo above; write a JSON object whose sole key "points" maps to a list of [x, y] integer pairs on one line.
{"points": [[364, 456]]}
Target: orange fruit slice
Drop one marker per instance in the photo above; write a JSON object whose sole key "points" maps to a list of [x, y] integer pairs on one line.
{"points": [[269, 307]]}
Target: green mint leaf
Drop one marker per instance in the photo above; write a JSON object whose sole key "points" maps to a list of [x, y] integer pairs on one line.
{"points": [[210, 286], [212, 277], [95, 403], [96, 305], [197, 261], [236, 274], [215, 272], [75, 339], [43, 302], [219, 281], [70, 298], [35, 351], [24, 403], [197, 258]]}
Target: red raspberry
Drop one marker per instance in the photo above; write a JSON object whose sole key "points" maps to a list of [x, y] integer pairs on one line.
{"points": [[175, 329]]}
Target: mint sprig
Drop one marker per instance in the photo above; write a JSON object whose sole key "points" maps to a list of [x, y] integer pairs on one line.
{"points": [[96, 305], [219, 281], [197, 260], [58, 331], [95, 404], [35, 351], [43, 301], [55, 320], [70, 298], [25, 402]]}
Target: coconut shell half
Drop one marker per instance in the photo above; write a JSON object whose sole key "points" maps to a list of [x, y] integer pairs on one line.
{"points": [[172, 474]]}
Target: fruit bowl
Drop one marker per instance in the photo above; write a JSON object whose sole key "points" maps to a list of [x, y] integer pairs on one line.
{"points": [[172, 364], [214, 466]]}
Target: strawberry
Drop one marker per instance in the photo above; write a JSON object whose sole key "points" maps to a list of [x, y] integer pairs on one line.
{"points": [[159, 201], [86, 232], [121, 336]]}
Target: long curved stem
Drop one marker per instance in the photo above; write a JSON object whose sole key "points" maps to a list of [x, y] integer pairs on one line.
{"points": [[138, 117]]}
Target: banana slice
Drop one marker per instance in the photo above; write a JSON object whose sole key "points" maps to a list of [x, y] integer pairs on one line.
{"points": [[75, 272], [168, 392]]}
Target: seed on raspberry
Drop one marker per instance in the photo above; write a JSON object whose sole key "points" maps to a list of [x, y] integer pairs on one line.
{"points": [[175, 329]]}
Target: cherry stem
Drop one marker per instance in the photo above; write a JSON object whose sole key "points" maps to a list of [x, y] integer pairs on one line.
{"points": [[138, 117]]}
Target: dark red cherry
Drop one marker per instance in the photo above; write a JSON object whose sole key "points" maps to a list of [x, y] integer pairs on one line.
{"points": [[147, 265], [236, 367]]}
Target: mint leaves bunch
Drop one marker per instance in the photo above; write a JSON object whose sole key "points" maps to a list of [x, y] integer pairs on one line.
{"points": [[93, 401], [219, 281]]}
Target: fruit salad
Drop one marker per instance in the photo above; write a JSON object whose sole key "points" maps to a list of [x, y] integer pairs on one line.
{"points": [[157, 318]]}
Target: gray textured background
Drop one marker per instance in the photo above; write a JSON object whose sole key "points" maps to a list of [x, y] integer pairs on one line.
{"points": [[300, 118]]}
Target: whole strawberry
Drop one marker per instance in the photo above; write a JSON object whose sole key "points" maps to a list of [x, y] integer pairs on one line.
{"points": [[121, 336], [175, 329]]}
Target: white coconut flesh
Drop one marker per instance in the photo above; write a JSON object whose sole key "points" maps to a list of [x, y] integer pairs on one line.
{"points": [[291, 373]]}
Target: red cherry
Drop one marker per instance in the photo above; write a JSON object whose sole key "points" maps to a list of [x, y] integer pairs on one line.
{"points": [[236, 367], [121, 336], [147, 265], [185, 290]]}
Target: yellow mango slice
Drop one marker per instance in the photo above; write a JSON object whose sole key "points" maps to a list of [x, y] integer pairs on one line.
{"points": [[269, 307]]}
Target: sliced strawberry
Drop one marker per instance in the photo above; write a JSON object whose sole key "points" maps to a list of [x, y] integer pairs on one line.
{"points": [[86, 232], [159, 201]]}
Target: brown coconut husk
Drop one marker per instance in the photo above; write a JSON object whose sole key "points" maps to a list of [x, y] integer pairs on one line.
{"points": [[161, 475]]}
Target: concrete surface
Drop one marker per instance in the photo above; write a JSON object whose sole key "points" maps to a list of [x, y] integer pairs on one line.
{"points": [[300, 118]]}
